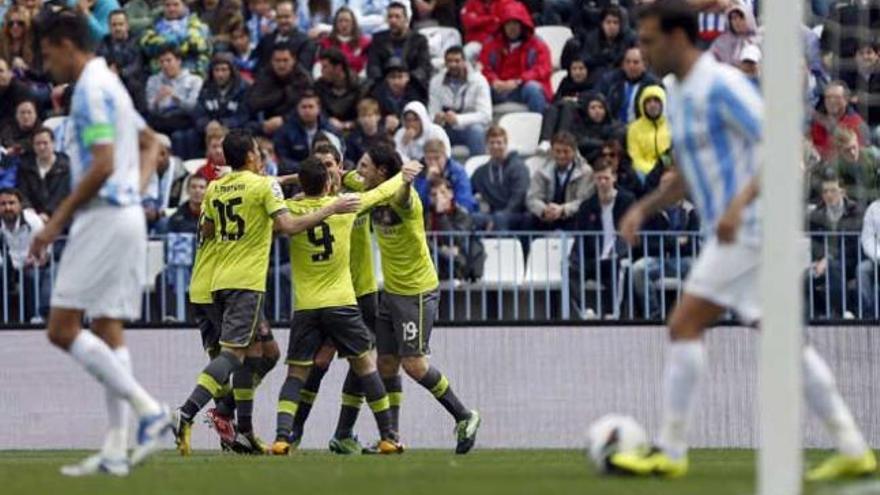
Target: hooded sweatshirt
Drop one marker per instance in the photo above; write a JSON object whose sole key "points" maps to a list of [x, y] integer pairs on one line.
{"points": [[226, 105], [592, 135], [728, 46], [527, 59], [646, 138], [415, 149]]}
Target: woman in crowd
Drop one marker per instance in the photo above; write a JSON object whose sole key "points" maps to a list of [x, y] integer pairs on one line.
{"points": [[346, 37]]}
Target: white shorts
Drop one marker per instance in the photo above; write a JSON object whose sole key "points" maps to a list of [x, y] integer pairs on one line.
{"points": [[727, 275], [103, 268]]}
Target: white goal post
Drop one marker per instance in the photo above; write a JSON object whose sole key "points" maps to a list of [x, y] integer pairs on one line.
{"points": [[780, 469]]}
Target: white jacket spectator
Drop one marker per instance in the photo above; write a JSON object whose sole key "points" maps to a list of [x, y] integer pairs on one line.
{"points": [[869, 268], [173, 87], [417, 129], [461, 102]]}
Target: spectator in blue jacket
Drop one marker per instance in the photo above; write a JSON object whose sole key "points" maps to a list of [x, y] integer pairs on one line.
{"points": [[439, 166], [222, 98], [293, 142]]}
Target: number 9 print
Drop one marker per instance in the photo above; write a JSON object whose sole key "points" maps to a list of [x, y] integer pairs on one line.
{"points": [[410, 331]]}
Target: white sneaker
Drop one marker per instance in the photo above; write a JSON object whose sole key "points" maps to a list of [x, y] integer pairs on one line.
{"points": [[589, 314], [151, 430], [96, 464]]}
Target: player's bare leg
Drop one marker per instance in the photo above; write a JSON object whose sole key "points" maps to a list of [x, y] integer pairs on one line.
{"points": [[685, 364], [113, 369]]}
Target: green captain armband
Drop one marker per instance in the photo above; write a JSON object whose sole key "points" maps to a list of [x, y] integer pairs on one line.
{"points": [[98, 132]]}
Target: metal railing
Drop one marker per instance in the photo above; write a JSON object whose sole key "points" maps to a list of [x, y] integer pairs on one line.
{"points": [[492, 277]]}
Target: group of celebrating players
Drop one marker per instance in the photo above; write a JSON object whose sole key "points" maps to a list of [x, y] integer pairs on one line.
{"points": [[335, 306]]}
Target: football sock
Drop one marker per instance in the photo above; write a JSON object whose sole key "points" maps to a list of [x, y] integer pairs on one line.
{"points": [[98, 359], [684, 366], [439, 387], [209, 383], [116, 442], [394, 389], [243, 391], [307, 397], [379, 404], [288, 402], [225, 402], [824, 400], [352, 397]]}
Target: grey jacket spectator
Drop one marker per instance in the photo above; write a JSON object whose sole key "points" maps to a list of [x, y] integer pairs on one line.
{"points": [[460, 100], [185, 91], [567, 187]]}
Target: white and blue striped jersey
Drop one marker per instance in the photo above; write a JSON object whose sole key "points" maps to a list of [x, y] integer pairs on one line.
{"points": [[716, 116], [103, 113]]}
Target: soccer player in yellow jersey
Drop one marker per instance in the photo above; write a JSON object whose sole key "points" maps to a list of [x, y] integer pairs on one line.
{"points": [[260, 358], [366, 291], [325, 304], [409, 300], [240, 211]]}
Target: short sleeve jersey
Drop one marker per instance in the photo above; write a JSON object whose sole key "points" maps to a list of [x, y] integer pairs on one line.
{"points": [[102, 113], [242, 206], [320, 257], [203, 271], [407, 266]]}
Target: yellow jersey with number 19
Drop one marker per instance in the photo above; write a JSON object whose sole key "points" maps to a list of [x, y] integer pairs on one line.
{"points": [[407, 266], [242, 205], [320, 257]]}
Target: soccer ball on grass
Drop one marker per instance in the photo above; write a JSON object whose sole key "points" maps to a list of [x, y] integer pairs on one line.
{"points": [[611, 434]]}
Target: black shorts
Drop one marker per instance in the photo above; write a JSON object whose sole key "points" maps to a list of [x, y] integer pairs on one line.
{"points": [[369, 306], [341, 325], [240, 312], [206, 318], [404, 323]]}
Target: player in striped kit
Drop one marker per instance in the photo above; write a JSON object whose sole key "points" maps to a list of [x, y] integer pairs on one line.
{"points": [[716, 117]]}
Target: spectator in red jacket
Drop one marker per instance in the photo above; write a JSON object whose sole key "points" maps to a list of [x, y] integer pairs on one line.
{"points": [[835, 113], [480, 19], [346, 37], [516, 62]]}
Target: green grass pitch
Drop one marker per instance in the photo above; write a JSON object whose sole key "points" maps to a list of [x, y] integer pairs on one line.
{"points": [[419, 472]]}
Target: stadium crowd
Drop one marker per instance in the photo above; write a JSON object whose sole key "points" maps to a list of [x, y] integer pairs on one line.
{"points": [[353, 72]]}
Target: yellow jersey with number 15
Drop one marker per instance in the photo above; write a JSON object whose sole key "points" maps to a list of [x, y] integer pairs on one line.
{"points": [[320, 257], [242, 205]]}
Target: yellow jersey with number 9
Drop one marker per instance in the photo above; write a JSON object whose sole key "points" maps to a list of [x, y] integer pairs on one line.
{"points": [[242, 205], [320, 257]]}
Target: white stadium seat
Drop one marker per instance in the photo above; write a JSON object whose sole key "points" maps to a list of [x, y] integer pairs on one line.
{"points": [[474, 163], [192, 165], [505, 263], [556, 79], [555, 37], [544, 266], [440, 39], [523, 131], [501, 109], [534, 163], [155, 262]]}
